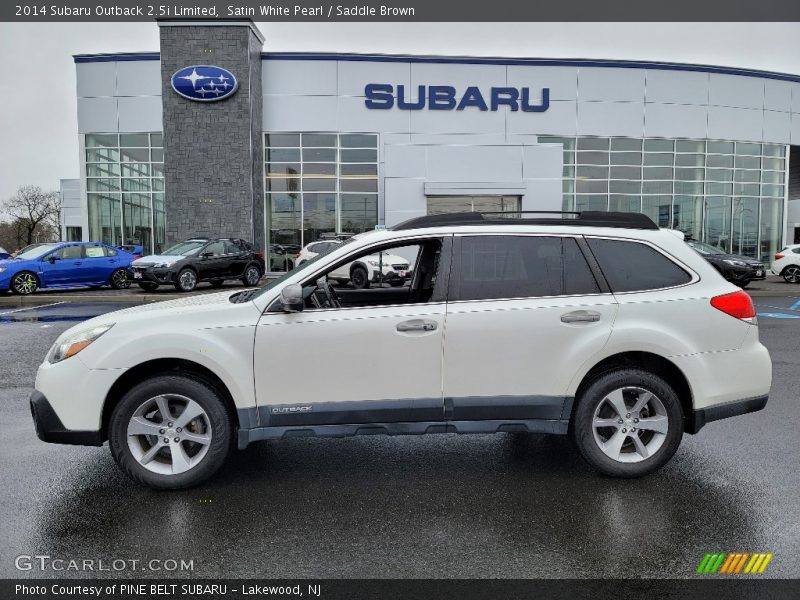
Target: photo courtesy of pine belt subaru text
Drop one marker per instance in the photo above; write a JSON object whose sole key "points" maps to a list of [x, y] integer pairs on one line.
{"points": [[186, 264], [595, 325], [63, 265]]}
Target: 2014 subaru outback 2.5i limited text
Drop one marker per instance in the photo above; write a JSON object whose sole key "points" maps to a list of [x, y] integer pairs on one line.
{"points": [[595, 325]]}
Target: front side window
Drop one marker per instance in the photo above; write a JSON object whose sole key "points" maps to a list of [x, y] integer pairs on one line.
{"points": [[502, 266], [215, 248], [68, 253], [634, 267]]}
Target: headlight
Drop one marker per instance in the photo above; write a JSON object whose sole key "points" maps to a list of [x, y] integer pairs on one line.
{"points": [[3, 269], [165, 265], [75, 342], [375, 263], [735, 263]]}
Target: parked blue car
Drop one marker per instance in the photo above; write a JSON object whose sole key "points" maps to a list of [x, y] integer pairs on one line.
{"points": [[65, 264]]}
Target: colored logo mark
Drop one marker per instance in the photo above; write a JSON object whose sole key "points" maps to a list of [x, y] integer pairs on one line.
{"points": [[734, 563]]}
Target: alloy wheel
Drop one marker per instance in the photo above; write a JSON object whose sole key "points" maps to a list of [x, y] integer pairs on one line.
{"points": [[169, 434], [252, 275], [119, 279], [630, 424], [792, 274], [188, 280], [25, 283]]}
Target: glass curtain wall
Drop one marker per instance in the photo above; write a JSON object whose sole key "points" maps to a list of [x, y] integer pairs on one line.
{"points": [[125, 188], [729, 194], [317, 183]]}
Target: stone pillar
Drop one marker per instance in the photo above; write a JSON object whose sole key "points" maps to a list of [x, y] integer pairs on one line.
{"points": [[213, 151]]}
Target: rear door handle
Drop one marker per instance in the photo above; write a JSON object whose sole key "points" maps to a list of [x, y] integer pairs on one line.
{"points": [[416, 325], [580, 316]]}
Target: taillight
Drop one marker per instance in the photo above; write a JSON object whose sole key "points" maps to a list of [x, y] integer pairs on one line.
{"points": [[778, 256], [736, 304], [297, 255], [260, 255], [137, 256]]}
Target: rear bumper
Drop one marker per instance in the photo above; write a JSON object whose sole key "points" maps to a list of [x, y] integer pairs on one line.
{"points": [[724, 411], [50, 429]]}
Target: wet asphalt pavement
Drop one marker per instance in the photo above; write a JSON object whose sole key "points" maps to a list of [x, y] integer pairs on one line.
{"points": [[506, 505]]}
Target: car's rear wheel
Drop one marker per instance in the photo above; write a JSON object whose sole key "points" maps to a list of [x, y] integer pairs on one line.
{"points": [[24, 283], [628, 423], [186, 281], [147, 286], [170, 432], [251, 276], [359, 278], [119, 280], [791, 274]]}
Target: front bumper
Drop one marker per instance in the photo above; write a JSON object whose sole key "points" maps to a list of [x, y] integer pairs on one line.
{"points": [[50, 429], [151, 274], [390, 276], [724, 411]]}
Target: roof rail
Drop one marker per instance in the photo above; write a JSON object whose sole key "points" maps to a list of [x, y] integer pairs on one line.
{"points": [[586, 218]]}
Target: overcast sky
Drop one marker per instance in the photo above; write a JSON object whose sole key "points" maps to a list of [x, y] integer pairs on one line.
{"points": [[38, 120]]}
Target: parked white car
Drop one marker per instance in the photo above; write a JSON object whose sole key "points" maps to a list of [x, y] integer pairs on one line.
{"points": [[374, 268], [601, 327], [786, 263]]}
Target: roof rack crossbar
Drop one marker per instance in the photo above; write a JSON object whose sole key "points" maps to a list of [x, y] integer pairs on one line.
{"points": [[586, 218]]}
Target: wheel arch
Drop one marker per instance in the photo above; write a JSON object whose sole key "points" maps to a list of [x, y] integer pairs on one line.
{"points": [[160, 366], [648, 361], [358, 264]]}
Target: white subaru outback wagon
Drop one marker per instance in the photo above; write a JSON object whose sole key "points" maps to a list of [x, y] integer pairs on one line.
{"points": [[600, 326]]}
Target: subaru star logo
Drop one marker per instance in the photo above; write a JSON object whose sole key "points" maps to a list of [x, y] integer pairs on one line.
{"points": [[204, 83]]}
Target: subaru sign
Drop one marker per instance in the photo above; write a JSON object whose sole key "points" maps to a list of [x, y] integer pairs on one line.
{"points": [[446, 97], [204, 83]]}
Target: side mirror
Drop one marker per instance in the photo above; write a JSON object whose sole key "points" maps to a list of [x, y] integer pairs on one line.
{"points": [[292, 298], [206, 255], [53, 259]]}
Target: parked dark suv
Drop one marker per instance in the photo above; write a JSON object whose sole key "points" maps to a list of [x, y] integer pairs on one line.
{"points": [[186, 264], [739, 270]]}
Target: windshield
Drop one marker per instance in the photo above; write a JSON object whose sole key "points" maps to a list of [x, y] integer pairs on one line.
{"points": [[704, 248], [35, 251], [245, 296], [187, 248]]}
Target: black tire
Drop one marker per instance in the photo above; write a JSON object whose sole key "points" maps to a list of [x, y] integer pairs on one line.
{"points": [[119, 280], [791, 274], [359, 277], [217, 283], [148, 286], [251, 276], [593, 396], [24, 283], [221, 431], [187, 280], [743, 284]]}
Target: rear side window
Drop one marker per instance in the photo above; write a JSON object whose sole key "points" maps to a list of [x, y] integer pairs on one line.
{"points": [[95, 252], [635, 267], [495, 267]]}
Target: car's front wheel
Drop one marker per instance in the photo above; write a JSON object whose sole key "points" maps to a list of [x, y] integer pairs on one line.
{"points": [[186, 281], [170, 432], [791, 274], [24, 283], [119, 280], [628, 423]]}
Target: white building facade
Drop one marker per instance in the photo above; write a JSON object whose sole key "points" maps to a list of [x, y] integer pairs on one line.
{"points": [[352, 141]]}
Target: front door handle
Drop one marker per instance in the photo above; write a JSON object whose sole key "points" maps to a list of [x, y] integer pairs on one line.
{"points": [[580, 316], [416, 325]]}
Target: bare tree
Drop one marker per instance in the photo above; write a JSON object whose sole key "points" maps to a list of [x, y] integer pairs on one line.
{"points": [[33, 208]]}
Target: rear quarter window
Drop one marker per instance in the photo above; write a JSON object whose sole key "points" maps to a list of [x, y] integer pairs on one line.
{"points": [[635, 267]]}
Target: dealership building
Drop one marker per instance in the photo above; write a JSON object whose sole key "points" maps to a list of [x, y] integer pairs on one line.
{"points": [[213, 135]]}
